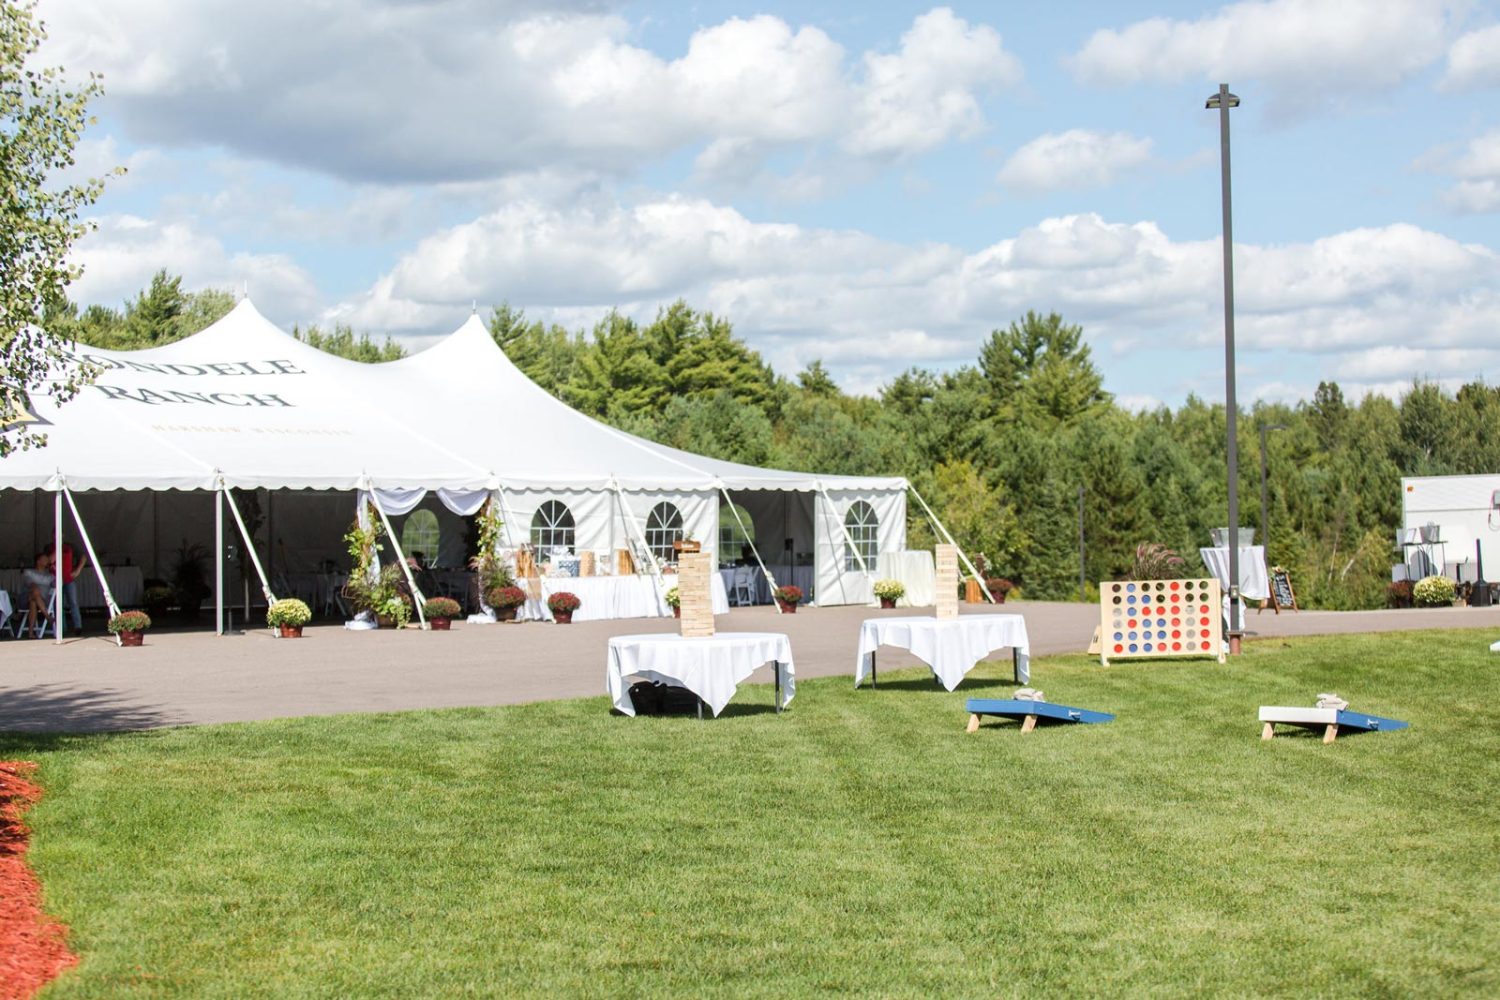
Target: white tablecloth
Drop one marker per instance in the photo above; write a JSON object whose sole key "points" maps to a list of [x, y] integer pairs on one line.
{"points": [[710, 667], [615, 597], [760, 593], [124, 581], [913, 568], [950, 646], [1254, 584]]}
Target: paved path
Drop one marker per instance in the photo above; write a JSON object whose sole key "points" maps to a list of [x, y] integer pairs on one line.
{"points": [[188, 678]]}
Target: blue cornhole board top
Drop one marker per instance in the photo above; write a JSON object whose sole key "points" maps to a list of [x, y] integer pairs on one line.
{"points": [[1368, 723], [1016, 709]]}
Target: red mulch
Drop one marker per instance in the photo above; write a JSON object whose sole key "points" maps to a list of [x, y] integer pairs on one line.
{"points": [[33, 949]]}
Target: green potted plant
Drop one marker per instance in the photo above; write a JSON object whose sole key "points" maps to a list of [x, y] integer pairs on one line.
{"points": [[158, 596], [562, 605], [390, 597], [506, 600], [287, 616], [130, 626], [787, 598], [889, 592], [673, 597], [190, 579], [1434, 592], [440, 611]]}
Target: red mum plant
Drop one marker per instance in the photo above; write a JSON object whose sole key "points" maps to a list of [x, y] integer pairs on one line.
{"points": [[789, 594], [563, 601], [505, 597]]}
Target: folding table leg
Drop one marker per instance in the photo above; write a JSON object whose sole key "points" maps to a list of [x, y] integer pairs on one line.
{"points": [[777, 666], [872, 669], [700, 709], [1015, 664]]}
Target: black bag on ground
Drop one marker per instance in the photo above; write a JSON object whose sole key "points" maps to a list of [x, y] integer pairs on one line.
{"points": [[653, 698]]}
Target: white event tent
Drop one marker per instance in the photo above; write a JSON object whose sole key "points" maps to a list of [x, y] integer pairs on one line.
{"points": [[164, 437]]}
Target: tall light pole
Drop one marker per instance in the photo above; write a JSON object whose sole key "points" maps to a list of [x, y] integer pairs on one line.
{"points": [[1265, 529], [1222, 102]]}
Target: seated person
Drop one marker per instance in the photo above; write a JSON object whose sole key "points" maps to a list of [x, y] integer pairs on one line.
{"points": [[39, 583]]}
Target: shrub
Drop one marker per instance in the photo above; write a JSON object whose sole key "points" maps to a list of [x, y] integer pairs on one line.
{"points": [[673, 598], [441, 607], [1433, 592], [789, 594], [563, 601], [1398, 594], [890, 590], [129, 621], [505, 597], [288, 611]]}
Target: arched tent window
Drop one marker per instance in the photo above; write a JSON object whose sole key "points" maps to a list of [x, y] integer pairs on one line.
{"points": [[863, 528], [663, 527], [732, 537], [420, 534], [552, 527]]}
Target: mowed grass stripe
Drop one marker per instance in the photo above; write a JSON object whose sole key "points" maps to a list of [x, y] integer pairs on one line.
{"points": [[862, 842]]}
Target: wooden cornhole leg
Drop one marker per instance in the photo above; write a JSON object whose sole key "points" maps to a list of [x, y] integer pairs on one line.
{"points": [[973, 723], [1330, 732], [1029, 724], [1267, 730]]}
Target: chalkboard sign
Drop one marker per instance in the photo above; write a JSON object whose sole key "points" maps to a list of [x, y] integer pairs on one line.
{"points": [[1282, 595]]}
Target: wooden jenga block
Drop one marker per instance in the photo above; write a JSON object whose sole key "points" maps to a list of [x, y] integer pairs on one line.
{"points": [[947, 581], [694, 570]]}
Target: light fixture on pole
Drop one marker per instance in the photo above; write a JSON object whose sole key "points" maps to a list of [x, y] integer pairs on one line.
{"points": [[1265, 530], [1222, 102]]}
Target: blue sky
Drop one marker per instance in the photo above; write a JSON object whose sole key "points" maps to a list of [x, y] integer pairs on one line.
{"points": [[874, 185]]}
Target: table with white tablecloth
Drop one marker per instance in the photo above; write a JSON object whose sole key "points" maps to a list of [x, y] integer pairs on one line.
{"points": [[1254, 582], [801, 577], [914, 568], [125, 582], [711, 667], [950, 646], [601, 597]]}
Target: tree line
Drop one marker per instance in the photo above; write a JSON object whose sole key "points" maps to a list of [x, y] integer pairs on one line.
{"points": [[999, 447]]}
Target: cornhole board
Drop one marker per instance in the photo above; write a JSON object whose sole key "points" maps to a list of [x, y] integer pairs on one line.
{"points": [[1160, 619], [1330, 720], [1029, 711]]}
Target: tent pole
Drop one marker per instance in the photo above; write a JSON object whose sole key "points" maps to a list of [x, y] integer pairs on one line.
{"points": [[57, 584], [753, 550], [416, 592], [946, 534], [219, 560], [234, 508], [88, 546]]}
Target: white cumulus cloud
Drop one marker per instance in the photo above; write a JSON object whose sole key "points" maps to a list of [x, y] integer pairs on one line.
{"points": [[1077, 158], [1474, 60]]}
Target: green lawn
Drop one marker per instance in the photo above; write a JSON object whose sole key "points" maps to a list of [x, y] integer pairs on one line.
{"points": [[862, 842]]}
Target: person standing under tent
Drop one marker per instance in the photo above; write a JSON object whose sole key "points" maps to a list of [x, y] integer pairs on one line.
{"points": [[68, 573]]}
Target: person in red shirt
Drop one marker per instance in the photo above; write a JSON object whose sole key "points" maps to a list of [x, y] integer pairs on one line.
{"points": [[67, 572]]}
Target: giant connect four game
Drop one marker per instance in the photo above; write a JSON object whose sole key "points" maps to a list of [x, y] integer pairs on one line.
{"points": [[1150, 619]]}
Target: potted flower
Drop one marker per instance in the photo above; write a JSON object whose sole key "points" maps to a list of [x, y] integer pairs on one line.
{"points": [[999, 586], [787, 598], [130, 626], [673, 597], [1398, 594], [1434, 592], [441, 611], [505, 600], [889, 592], [562, 605], [288, 615]]}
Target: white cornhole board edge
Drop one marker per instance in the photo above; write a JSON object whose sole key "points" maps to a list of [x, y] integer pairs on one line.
{"points": [[1299, 715]]}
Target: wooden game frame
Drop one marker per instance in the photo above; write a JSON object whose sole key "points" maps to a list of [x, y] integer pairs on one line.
{"points": [[1160, 619]]}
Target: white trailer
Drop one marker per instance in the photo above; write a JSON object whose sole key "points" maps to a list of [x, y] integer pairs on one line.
{"points": [[1462, 510]]}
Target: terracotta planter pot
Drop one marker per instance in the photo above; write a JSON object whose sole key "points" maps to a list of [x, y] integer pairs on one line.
{"points": [[290, 631], [132, 638], [787, 607], [887, 602], [385, 621], [505, 614], [677, 612], [563, 617], [439, 624], [999, 596]]}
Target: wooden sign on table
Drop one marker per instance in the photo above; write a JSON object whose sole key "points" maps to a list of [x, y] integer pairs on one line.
{"points": [[694, 571], [624, 565], [947, 581]]}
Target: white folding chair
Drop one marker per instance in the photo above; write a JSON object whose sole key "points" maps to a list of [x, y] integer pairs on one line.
{"points": [[743, 584], [8, 616]]}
